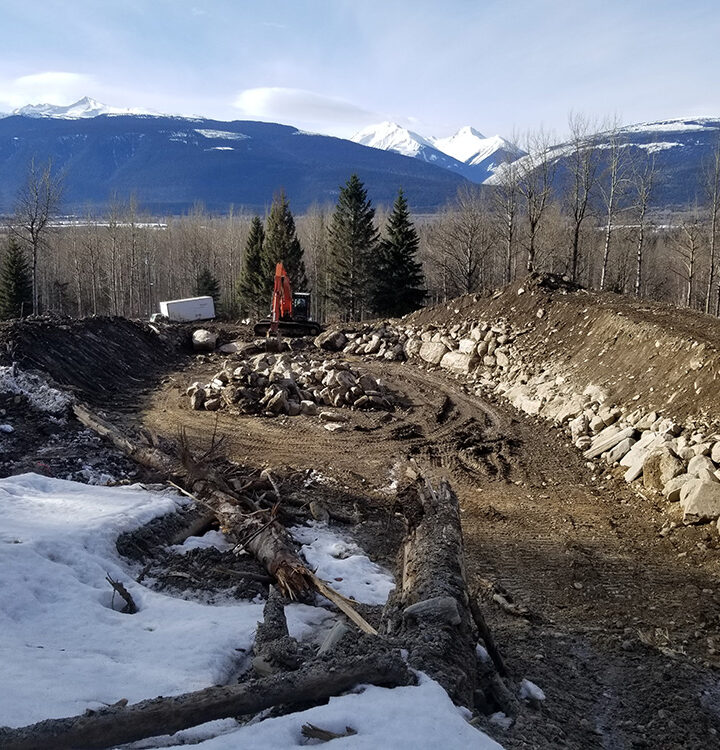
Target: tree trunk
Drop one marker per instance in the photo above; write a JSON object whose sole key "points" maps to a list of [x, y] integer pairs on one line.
{"points": [[429, 608], [113, 726]]}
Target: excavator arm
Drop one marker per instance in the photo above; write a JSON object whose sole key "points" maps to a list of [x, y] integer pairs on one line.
{"points": [[282, 298]]}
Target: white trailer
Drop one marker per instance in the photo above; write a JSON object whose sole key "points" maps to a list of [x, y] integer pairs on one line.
{"points": [[192, 308]]}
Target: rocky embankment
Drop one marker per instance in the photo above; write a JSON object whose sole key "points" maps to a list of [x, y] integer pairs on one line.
{"points": [[633, 387]]}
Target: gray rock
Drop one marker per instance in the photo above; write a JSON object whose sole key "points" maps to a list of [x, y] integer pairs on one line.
{"points": [[278, 404], [332, 341], [458, 362], [715, 453], [615, 454], [700, 462], [700, 501], [213, 404], [197, 399], [672, 489], [308, 407], [578, 427], [467, 346], [433, 352], [204, 341], [660, 467], [602, 444]]}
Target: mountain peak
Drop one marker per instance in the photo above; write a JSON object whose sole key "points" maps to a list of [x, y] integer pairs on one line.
{"points": [[82, 108], [389, 136]]}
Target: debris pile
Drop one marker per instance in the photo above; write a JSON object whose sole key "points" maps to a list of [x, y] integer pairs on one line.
{"points": [[289, 383]]}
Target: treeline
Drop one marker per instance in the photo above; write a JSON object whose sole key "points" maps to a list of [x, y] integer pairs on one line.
{"points": [[590, 216]]}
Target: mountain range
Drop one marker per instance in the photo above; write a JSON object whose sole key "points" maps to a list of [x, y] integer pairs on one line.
{"points": [[171, 163]]}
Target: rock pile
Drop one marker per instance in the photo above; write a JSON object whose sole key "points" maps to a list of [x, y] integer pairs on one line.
{"points": [[290, 384], [380, 342], [681, 461]]}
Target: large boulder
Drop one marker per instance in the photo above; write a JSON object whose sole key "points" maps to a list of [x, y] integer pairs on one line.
{"points": [[459, 363], [204, 341], [332, 341], [660, 467], [432, 352], [700, 501]]}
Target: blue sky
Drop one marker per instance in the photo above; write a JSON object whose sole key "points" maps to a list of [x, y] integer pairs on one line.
{"points": [[334, 66]]}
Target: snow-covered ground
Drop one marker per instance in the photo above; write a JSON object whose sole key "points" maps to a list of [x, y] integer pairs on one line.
{"points": [[66, 648]]}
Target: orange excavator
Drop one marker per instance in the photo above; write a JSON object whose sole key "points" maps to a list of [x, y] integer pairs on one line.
{"points": [[289, 312]]}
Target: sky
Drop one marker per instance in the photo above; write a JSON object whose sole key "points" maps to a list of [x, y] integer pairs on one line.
{"points": [[333, 66]]}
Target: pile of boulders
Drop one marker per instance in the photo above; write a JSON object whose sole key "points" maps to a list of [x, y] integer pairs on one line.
{"points": [[681, 461], [380, 342], [289, 383]]}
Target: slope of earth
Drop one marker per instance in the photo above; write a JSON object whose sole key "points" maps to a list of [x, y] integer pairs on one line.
{"points": [[616, 623], [651, 355]]}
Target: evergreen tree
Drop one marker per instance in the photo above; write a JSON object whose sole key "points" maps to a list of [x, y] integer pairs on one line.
{"points": [[397, 275], [15, 283], [252, 292], [206, 285], [353, 240], [282, 246]]}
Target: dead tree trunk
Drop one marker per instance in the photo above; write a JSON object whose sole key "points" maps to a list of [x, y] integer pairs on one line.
{"points": [[429, 609], [119, 725]]}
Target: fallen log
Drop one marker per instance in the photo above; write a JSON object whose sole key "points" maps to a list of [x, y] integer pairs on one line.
{"points": [[117, 725], [240, 519], [428, 611]]}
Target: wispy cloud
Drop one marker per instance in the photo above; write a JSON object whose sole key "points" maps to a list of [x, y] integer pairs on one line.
{"points": [[52, 87], [299, 104]]}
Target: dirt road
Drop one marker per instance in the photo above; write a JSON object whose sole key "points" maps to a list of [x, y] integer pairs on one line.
{"points": [[619, 625]]}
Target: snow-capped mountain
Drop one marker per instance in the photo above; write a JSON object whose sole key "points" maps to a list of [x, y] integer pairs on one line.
{"points": [[389, 136], [467, 152], [170, 163], [679, 150], [82, 108]]}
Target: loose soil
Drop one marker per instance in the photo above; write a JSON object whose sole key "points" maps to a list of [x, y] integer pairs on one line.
{"points": [[622, 629]]}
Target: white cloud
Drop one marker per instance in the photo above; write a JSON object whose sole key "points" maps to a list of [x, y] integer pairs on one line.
{"points": [[299, 104], [51, 87]]}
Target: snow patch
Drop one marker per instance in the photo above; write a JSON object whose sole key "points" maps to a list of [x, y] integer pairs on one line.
{"points": [[65, 647], [343, 564], [42, 396], [226, 135], [404, 718], [530, 691], [214, 539]]}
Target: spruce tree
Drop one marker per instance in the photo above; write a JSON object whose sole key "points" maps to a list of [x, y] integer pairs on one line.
{"points": [[282, 246], [398, 280], [252, 293], [15, 283], [353, 241], [206, 285]]}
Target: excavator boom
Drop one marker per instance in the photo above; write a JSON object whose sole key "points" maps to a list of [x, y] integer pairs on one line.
{"points": [[288, 311]]}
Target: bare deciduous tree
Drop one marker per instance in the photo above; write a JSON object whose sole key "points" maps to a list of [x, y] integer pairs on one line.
{"points": [[582, 169], [643, 183], [536, 173], [505, 198], [712, 192], [37, 203]]}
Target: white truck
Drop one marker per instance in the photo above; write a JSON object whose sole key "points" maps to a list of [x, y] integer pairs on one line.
{"points": [[192, 308]]}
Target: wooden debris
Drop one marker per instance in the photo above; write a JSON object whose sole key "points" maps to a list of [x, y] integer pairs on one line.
{"points": [[130, 607], [440, 638], [311, 732], [113, 726]]}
